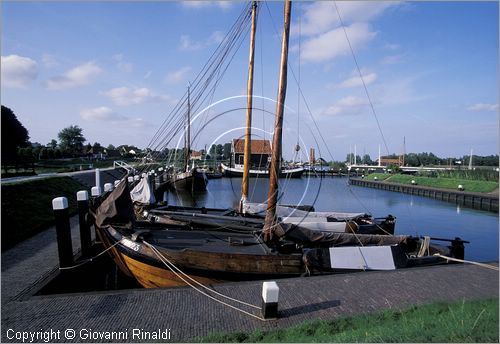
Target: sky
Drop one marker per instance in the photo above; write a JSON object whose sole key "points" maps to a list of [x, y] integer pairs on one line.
{"points": [[117, 69]]}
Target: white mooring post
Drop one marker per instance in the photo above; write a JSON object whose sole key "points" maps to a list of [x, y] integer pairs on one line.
{"points": [[108, 187], [95, 191], [63, 231], [270, 293], [97, 177]]}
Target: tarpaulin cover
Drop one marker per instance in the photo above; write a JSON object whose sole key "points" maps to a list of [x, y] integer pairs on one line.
{"points": [[142, 193], [328, 239], [117, 209]]}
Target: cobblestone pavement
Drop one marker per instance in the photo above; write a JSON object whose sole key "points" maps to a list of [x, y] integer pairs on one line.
{"points": [[188, 314]]}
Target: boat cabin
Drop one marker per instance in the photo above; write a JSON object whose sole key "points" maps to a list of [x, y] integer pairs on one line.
{"points": [[260, 149]]}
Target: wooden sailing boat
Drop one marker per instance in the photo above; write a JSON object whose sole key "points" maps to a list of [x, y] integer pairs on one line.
{"points": [[157, 254], [189, 179]]}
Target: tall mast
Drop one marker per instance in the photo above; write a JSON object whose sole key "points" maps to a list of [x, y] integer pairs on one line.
{"points": [[188, 133], [470, 160], [278, 126], [248, 130]]}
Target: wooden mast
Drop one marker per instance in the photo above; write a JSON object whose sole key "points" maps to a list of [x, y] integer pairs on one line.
{"points": [[188, 133], [272, 197], [248, 131]]}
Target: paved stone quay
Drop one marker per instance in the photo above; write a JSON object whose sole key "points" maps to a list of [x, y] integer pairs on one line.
{"points": [[186, 314]]}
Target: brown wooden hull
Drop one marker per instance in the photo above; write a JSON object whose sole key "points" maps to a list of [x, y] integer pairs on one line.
{"points": [[138, 260], [150, 276]]}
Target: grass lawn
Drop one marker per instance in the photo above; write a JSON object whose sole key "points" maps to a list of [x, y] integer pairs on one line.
{"points": [[463, 322], [27, 206], [439, 182]]}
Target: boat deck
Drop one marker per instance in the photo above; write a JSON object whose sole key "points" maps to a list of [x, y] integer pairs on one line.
{"points": [[208, 241], [189, 314]]}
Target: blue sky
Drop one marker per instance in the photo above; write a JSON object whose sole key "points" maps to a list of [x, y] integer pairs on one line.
{"points": [[116, 69]]}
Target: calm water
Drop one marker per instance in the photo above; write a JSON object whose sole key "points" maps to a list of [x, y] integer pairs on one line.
{"points": [[415, 215]]}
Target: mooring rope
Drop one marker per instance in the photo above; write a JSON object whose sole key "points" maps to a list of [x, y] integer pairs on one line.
{"points": [[89, 259], [424, 246], [487, 266], [180, 275]]}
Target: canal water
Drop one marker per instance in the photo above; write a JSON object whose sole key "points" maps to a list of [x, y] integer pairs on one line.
{"points": [[415, 215]]}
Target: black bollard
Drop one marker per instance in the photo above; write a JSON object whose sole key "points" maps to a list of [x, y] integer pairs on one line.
{"points": [[82, 198], [63, 231], [270, 293]]}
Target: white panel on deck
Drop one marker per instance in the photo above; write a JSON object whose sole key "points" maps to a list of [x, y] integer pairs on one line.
{"points": [[362, 258]]}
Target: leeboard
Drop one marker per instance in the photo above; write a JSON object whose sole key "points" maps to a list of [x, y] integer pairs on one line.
{"points": [[362, 258]]}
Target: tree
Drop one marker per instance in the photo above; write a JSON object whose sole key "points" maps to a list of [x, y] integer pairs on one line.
{"points": [[110, 147], [226, 151], [71, 139], [14, 135], [52, 144], [367, 160], [88, 148]]}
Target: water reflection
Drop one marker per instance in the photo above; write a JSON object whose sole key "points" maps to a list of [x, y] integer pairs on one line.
{"points": [[415, 215]]}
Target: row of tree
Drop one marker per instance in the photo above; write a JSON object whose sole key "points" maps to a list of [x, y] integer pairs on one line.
{"points": [[428, 159], [16, 145]]}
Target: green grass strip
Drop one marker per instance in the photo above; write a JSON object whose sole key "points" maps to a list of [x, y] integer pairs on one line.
{"points": [[27, 206], [439, 182], [462, 322]]}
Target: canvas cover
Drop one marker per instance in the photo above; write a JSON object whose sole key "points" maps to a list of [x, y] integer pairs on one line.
{"points": [[308, 237], [117, 209], [283, 211], [142, 192]]}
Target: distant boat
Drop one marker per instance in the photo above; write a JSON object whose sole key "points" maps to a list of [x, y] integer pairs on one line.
{"points": [[260, 154], [237, 171], [193, 179]]}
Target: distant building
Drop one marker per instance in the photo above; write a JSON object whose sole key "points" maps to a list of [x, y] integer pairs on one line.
{"points": [[387, 162], [196, 155], [260, 152]]}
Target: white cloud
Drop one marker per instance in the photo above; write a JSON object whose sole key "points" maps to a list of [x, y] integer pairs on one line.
{"points": [[18, 71], [347, 106], [187, 44], [204, 4], [321, 16], [481, 107], [78, 76], [102, 113], [49, 61], [356, 81], [177, 76], [333, 43], [121, 64], [392, 59], [216, 37], [124, 96], [391, 46]]}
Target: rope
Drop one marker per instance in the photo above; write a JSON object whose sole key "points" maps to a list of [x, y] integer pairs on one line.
{"points": [[90, 259], [361, 77], [424, 246], [487, 266], [170, 265]]}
